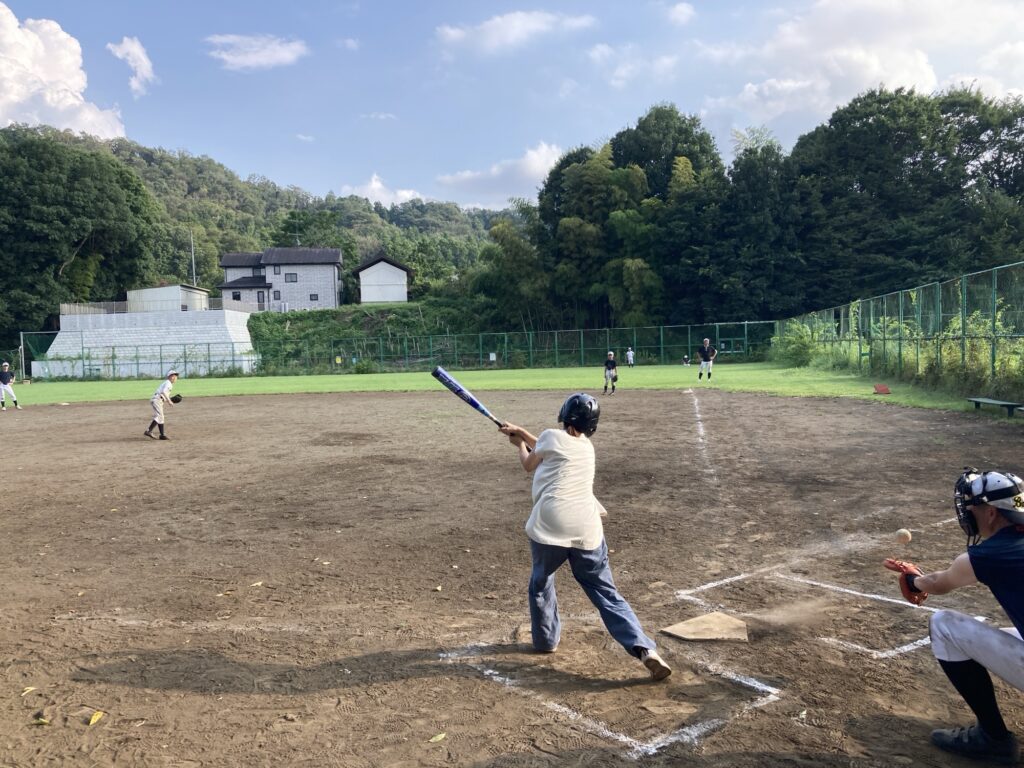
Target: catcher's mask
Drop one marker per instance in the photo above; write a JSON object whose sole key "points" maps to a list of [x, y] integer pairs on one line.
{"points": [[1002, 490], [580, 411]]}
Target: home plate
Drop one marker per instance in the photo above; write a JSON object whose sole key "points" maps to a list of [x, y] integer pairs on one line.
{"points": [[710, 626]]}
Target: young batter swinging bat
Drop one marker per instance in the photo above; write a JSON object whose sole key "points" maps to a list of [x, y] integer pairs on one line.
{"points": [[449, 381]]}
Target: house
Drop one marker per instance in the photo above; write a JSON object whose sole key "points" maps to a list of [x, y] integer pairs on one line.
{"points": [[283, 279], [383, 280]]}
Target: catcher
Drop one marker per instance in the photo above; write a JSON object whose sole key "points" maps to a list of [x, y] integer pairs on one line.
{"points": [[162, 397], [990, 510]]}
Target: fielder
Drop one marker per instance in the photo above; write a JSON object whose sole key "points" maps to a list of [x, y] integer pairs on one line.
{"points": [[160, 398], [611, 372], [990, 508], [566, 525], [707, 355], [6, 379], [630, 356]]}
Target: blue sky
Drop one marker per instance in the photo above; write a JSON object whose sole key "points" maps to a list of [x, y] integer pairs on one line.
{"points": [[470, 101]]}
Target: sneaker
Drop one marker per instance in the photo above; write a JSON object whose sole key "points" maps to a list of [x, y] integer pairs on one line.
{"points": [[545, 650], [164, 437], [17, 407], [974, 742], [655, 664], [3, 408], [147, 433]]}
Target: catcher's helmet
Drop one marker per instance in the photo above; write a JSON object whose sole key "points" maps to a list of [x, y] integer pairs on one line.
{"points": [[1002, 490], [580, 411]]}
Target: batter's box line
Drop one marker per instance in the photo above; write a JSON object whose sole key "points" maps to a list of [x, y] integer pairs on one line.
{"points": [[689, 735]]}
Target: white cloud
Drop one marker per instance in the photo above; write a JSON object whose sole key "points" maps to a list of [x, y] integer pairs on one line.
{"points": [[251, 52], [42, 80], [508, 178], [511, 30], [620, 66], [376, 191], [681, 13], [378, 116], [349, 44], [132, 52], [826, 54], [305, 137]]}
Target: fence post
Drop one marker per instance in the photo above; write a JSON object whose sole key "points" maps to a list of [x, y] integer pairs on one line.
{"points": [[899, 340], [661, 344], [556, 349], [505, 353], [746, 342], [529, 345], [939, 328], [689, 339], [480, 344], [582, 361], [995, 307], [963, 322]]}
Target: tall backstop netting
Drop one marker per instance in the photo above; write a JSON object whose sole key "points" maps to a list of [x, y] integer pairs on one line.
{"points": [[966, 333]]}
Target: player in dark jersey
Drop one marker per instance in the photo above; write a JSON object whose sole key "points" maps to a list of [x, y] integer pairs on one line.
{"points": [[611, 373], [990, 509], [707, 355], [6, 379]]}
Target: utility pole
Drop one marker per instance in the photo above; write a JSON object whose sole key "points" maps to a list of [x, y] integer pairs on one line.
{"points": [[192, 242]]}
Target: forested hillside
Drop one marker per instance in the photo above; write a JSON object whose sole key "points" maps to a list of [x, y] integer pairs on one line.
{"points": [[897, 189]]}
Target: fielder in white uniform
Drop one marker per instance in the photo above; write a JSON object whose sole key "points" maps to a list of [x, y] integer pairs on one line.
{"points": [[6, 379], [160, 398]]}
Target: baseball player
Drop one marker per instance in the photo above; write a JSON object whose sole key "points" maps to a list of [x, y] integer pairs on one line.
{"points": [[707, 355], [630, 356], [611, 373], [160, 398], [6, 379], [566, 525], [990, 509]]}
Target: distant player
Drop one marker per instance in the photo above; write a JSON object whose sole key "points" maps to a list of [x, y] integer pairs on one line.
{"points": [[629, 356], [707, 355], [611, 372], [686, 360], [6, 379], [160, 398]]}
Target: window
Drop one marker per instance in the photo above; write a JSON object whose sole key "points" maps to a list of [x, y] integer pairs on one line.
{"points": [[277, 269], [291, 277], [314, 297], [258, 271], [277, 295], [236, 295]]}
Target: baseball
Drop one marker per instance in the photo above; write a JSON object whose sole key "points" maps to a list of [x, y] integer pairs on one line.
{"points": [[903, 536]]}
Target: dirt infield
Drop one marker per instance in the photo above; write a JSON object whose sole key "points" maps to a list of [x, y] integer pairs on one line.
{"points": [[340, 579]]}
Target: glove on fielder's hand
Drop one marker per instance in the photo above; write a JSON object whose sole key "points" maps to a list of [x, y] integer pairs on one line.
{"points": [[176, 399], [905, 569]]}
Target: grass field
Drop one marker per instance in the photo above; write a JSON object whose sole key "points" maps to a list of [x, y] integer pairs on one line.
{"points": [[749, 377]]}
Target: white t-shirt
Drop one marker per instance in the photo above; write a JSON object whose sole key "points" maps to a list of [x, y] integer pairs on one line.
{"points": [[629, 356], [565, 510], [164, 389]]}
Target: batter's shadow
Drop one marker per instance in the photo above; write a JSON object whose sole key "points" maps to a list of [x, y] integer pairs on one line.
{"points": [[208, 671]]}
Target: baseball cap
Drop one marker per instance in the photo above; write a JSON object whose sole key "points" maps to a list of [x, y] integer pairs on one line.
{"points": [[172, 373]]}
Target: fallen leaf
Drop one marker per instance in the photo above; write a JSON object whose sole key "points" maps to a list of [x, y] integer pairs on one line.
{"points": [[40, 721], [28, 690], [256, 584], [96, 717], [437, 588], [439, 737]]}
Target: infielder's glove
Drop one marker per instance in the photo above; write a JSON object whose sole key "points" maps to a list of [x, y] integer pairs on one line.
{"points": [[907, 572], [615, 377], [176, 399]]}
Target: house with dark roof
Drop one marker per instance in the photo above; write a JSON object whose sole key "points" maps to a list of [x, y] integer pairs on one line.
{"points": [[284, 279], [383, 280]]}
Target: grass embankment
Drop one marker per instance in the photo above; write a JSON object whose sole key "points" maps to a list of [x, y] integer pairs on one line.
{"points": [[750, 377]]}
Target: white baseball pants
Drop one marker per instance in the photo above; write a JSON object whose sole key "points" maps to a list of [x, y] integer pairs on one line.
{"points": [[959, 637]]}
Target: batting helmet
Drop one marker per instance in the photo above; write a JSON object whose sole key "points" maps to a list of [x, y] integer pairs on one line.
{"points": [[1002, 490], [580, 411]]}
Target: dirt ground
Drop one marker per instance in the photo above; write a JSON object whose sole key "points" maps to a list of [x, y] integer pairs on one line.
{"points": [[338, 580]]}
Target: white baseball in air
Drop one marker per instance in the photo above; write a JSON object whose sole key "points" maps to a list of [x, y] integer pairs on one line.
{"points": [[903, 536]]}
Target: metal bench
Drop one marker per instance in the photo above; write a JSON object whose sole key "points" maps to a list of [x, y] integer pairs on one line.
{"points": [[980, 401]]}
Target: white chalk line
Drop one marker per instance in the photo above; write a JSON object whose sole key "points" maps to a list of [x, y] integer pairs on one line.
{"points": [[892, 653], [690, 734], [846, 591], [702, 441]]}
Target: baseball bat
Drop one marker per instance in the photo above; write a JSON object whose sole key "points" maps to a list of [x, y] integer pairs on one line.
{"points": [[462, 393]]}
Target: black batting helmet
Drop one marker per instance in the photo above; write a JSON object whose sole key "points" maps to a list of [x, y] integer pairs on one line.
{"points": [[581, 411]]}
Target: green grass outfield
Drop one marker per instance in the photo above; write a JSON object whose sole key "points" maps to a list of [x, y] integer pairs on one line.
{"points": [[746, 377]]}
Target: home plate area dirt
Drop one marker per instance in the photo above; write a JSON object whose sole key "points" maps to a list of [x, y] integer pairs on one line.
{"points": [[341, 580]]}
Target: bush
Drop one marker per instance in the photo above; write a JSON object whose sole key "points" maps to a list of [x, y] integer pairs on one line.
{"points": [[366, 366], [794, 347]]}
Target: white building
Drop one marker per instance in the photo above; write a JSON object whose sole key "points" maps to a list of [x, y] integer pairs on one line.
{"points": [[283, 279], [383, 280], [156, 329]]}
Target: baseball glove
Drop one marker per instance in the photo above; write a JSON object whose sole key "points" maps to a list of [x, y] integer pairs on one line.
{"points": [[615, 377], [176, 399], [907, 572]]}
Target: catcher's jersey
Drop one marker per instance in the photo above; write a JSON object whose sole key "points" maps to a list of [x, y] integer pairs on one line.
{"points": [[998, 562], [6, 377], [565, 511]]}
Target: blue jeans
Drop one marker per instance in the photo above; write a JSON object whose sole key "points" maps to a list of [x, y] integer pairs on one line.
{"points": [[590, 568]]}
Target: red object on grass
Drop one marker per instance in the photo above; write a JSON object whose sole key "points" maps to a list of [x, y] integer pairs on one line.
{"points": [[881, 389]]}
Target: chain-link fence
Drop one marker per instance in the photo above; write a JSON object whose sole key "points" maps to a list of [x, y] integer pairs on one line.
{"points": [[965, 334], [361, 354]]}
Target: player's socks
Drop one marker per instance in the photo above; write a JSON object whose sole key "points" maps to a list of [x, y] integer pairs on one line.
{"points": [[700, 376], [161, 429], [709, 375], [973, 682]]}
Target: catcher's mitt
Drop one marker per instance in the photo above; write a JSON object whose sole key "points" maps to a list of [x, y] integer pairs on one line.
{"points": [[176, 399], [907, 572]]}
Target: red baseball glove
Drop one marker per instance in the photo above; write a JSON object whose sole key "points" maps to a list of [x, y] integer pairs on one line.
{"points": [[905, 569]]}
